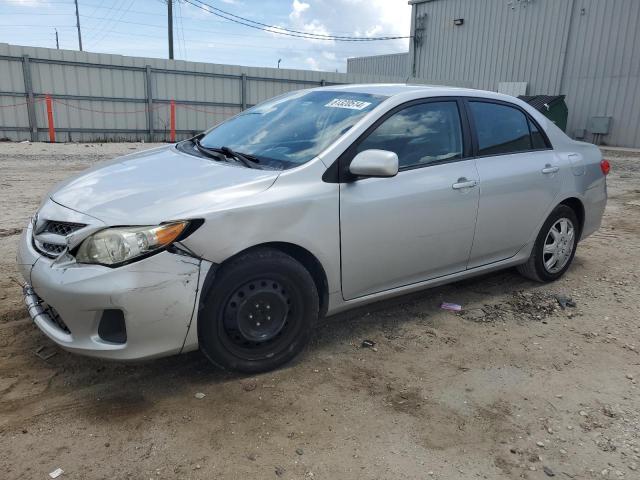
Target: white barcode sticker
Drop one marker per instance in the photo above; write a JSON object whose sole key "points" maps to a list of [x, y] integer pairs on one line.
{"points": [[347, 103]]}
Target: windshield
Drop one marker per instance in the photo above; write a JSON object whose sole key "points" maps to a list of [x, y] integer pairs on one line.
{"points": [[292, 128]]}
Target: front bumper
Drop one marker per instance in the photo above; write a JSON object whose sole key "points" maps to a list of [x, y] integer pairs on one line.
{"points": [[157, 297]]}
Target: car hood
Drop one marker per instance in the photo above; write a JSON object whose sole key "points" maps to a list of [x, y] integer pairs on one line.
{"points": [[158, 185]]}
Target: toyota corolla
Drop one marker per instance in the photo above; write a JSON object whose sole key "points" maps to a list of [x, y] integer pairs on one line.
{"points": [[238, 240]]}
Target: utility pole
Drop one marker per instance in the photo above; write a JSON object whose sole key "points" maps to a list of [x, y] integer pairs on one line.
{"points": [[170, 26], [57, 42], [78, 25]]}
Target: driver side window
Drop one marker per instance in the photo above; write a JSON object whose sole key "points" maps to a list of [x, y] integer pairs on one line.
{"points": [[420, 134]]}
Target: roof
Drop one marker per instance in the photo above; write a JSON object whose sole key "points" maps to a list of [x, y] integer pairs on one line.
{"points": [[391, 89], [407, 92], [540, 102], [404, 54]]}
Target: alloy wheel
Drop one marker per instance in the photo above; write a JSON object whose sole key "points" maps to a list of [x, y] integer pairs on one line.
{"points": [[558, 245]]}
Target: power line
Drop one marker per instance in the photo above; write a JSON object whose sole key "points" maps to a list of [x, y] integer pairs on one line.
{"points": [[333, 37], [281, 30], [190, 29], [110, 17], [141, 12], [225, 44], [115, 8], [113, 23]]}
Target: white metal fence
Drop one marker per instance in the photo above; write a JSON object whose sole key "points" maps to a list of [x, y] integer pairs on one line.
{"points": [[101, 97]]}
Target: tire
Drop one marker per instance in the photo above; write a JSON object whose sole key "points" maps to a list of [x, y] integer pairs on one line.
{"points": [[259, 312], [539, 266]]}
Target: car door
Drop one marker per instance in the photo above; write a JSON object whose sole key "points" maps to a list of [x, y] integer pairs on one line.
{"points": [[519, 179], [419, 224]]}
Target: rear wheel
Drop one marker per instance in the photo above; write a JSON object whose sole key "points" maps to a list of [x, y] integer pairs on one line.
{"points": [[555, 246], [259, 312]]}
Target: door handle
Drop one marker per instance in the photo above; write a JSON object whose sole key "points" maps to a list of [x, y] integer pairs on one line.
{"points": [[550, 169], [464, 183]]}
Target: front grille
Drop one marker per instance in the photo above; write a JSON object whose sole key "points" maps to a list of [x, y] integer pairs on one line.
{"points": [[62, 228], [53, 248], [50, 239]]}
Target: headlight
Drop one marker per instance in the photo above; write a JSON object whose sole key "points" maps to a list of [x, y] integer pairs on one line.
{"points": [[117, 245]]}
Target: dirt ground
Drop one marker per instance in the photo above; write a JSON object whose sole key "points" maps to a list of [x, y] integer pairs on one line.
{"points": [[513, 387]]}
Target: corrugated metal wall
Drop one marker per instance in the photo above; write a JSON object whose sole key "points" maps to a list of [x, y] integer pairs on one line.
{"points": [[496, 43], [588, 50], [602, 73], [396, 64], [113, 97]]}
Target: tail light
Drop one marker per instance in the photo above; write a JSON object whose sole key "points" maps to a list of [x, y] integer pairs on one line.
{"points": [[605, 166]]}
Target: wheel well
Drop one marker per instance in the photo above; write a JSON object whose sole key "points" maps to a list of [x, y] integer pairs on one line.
{"points": [[309, 261], [575, 205]]}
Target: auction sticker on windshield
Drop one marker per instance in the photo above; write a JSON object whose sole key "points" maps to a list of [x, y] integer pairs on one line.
{"points": [[346, 103]]}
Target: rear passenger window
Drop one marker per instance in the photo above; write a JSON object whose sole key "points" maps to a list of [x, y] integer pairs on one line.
{"points": [[420, 134], [536, 137], [501, 129]]}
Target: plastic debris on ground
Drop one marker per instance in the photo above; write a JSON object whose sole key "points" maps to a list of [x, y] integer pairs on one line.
{"points": [[454, 307], [199, 395], [565, 302], [44, 355], [56, 473], [369, 344]]}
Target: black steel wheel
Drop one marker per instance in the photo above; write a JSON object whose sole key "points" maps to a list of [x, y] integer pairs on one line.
{"points": [[258, 313]]}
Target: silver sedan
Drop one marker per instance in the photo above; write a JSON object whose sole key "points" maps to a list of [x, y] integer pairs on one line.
{"points": [[238, 240]]}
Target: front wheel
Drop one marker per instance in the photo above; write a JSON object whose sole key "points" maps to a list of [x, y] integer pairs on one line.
{"points": [[259, 312], [555, 246]]}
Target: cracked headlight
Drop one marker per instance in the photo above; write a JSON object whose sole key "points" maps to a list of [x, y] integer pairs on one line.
{"points": [[113, 246]]}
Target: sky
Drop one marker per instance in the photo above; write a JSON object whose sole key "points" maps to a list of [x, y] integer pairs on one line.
{"points": [[139, 28]]}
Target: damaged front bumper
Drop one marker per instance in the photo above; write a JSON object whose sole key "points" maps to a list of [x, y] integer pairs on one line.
{"points": [[141, 310]]}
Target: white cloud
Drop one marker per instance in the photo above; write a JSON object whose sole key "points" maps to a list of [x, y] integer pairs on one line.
{"points": [[312, 63], [359, 18], [316, 27], [27, 3], [329, 55], [374, 31], [297, 9]]}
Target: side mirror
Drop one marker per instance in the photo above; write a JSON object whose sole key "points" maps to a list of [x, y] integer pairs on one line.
{"points": [[374, 163]]}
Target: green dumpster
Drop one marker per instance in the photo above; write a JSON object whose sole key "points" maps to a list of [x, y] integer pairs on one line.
{"points": [[551, 106]]}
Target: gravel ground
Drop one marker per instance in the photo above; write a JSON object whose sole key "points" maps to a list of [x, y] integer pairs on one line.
{"points": [[513, 387]]}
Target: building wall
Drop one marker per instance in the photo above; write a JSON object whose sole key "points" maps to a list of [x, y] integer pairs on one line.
{"points": [[97, 97], [588, 50], [602, 73], [396, 64]]}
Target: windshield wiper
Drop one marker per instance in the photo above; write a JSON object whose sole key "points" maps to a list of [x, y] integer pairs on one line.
{"points": [[211, 153], [247, 160], [222, 153]]}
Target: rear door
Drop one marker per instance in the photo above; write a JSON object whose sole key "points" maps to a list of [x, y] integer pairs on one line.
{"points": [[419, 224], [519, 178]]}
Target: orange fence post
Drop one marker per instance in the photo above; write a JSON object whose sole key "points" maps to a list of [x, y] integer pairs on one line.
{"points": [[172, 121], [52, 131]]}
